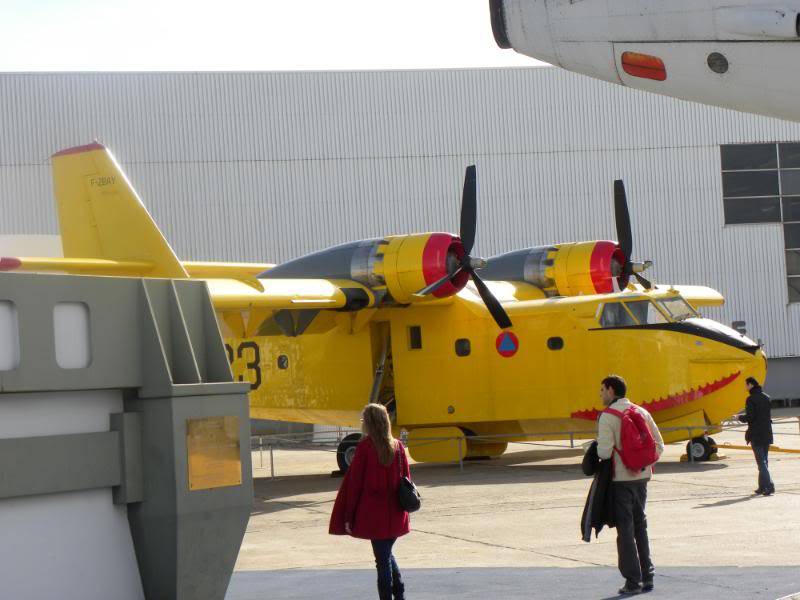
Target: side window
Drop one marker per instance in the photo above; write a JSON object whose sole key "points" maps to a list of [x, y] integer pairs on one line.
{"points": [[415, 337], [72, 335], [463, 347], [9, 336], [615, 315]]}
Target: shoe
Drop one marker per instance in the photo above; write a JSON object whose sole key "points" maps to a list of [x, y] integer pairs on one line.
{"points": [[630, 589], [768, 492], [647, 585], [758, 492]]}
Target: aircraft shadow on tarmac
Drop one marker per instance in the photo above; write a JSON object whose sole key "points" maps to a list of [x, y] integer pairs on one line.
{"points": [[276, 495]]}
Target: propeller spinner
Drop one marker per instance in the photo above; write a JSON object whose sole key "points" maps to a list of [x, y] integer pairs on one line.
{"points": [[624, 272], [467, 263]]}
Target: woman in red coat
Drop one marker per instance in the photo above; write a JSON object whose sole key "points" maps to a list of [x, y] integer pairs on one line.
{"points": [[366, 506]]}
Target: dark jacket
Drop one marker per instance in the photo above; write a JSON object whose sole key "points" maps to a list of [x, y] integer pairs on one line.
{"points": [[367, 499], [758, 417], [599, 509]]}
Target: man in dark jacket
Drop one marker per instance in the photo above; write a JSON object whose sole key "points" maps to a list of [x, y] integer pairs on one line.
{"points": [[759, 433]]}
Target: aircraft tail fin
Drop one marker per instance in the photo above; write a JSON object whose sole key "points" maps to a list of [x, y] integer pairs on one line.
{"points": [[102, 217]]}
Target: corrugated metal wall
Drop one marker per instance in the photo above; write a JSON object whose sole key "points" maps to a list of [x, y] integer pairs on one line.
{"points": [[267, 166]]}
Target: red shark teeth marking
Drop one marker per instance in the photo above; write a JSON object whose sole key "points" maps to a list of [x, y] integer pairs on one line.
{"points": [[670, 401], [9, 264]]}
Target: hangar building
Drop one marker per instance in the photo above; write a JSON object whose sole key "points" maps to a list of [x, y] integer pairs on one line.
{"points": [[268, 166]]}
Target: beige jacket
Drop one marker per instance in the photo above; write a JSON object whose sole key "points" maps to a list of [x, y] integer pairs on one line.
{"points": [[608, 431]]}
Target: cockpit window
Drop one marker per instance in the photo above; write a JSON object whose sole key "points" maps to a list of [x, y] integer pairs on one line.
{"points": [[646, 312], [639, 312], [678, 308], [615, 315]]}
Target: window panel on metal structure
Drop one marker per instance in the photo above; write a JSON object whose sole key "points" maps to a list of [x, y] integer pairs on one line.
{"points": [[752, 210], [746, 157], [789, 155], [794, 289], [790, 182], [791, 209], [738, 184], [793, 262], [791, 236]]}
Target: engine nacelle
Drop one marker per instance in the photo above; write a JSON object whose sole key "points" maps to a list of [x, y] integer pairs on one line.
{"points": [[399, 266], [571, 269], [681, 48]]}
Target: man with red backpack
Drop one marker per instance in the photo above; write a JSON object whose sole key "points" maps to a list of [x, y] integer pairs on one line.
{"points": [[628, 433]]}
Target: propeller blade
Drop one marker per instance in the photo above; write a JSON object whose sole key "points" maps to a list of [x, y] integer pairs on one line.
{"points": [[495, 308], [437, 284], [645, 283], [623, 219], [469, 209]]}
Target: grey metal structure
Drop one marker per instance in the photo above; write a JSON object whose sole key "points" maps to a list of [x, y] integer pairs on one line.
{"points": [[269, 166], [157, 342]]}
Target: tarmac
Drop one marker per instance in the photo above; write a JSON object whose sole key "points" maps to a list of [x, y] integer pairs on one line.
{"points": [[510, 528]]}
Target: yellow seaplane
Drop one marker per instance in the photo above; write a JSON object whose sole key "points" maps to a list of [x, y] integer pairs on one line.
{"points": [[465, 362]]}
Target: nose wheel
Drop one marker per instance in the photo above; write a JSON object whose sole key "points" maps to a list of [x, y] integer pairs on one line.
{"points": [[700, 449]]}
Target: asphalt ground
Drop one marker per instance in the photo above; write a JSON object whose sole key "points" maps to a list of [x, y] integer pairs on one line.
{"points": [[510, 528]]}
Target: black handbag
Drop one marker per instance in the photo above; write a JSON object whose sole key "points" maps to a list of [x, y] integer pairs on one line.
{"points": [[407, 492]]}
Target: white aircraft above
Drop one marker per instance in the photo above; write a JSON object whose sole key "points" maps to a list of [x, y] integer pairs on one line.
{"points": [[739, 54]]}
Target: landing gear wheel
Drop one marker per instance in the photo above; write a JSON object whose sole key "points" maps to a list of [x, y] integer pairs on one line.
{"points": [[700, 448], [347, 450]]}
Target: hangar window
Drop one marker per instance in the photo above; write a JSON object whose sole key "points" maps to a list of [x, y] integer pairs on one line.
{"points": [[761, 184]]}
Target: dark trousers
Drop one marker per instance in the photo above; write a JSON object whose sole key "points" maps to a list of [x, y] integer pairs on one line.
{"points": [[762, 460], [389, 578], [633, 547]]}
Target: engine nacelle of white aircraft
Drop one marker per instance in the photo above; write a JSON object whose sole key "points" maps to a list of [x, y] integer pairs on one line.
{"points": [[720, 52], [571, 269]]}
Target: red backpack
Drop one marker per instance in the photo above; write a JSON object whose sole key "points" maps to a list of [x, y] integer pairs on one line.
{"points": [[638, 445]]}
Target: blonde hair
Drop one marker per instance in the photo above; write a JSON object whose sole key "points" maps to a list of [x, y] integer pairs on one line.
{"points": [[376, 425]]}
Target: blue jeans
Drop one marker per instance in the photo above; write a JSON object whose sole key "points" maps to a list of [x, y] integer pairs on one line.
{"points": [[389, 579], [762, 460]]}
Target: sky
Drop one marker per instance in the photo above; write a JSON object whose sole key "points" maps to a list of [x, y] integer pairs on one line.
{"points": [[248, 35]]}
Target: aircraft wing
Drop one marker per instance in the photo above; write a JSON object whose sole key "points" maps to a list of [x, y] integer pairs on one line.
{"points": [[244, 272], [289, 294], [698, 295], [233, 286]]}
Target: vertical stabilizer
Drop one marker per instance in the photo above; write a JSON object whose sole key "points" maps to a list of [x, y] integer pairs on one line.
{"points": [[101, 216]]}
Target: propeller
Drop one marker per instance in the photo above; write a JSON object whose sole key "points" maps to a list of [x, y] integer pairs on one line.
{"points": [[469, 219], [629, 268]]}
